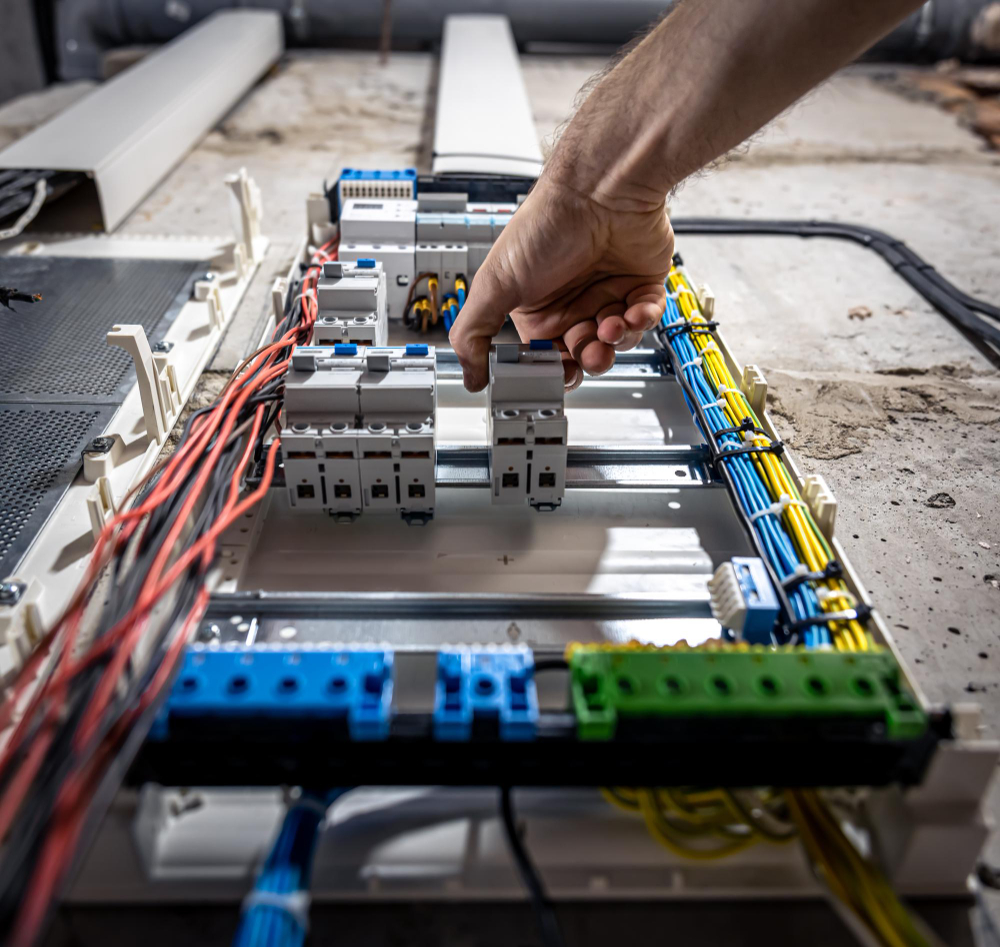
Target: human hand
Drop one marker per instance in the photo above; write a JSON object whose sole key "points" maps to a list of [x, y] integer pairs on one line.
{"points": [[572, 269]]}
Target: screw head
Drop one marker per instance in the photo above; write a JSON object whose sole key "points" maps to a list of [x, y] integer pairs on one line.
{"points": [[163, 346], [209, 633], [11, 592], [100, 445]]}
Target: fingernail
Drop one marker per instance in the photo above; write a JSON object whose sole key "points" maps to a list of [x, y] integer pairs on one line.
{"points": [[574, 379], [620, 337]]}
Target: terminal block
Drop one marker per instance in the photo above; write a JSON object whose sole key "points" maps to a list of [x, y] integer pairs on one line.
{"points": [[527, 425], [400, 183], [352, 304], [487, 694], [308, 685], [359, 429], [634, 692], [744, 600]]}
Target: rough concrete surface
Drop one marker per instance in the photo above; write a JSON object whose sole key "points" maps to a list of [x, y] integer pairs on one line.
{"points": [[898, 409]]}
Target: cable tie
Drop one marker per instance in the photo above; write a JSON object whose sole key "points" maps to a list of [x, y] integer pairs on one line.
{"points": [[686, 326], [777, 508], [694, 361], [745, 425], [824, 595], [677, 322], [832, 570], [860, 613], [293, 903], [726, 450]]}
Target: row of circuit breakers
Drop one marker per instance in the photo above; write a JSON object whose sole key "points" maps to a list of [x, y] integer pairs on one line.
{"points": [[360, 416]]}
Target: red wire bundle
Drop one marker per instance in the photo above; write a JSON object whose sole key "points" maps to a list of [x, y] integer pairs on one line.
{"points": [[209, 435]]}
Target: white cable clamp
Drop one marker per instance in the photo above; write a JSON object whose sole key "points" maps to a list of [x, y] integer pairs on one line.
{"points": [[823, 595], [308, 294], [777, 508], [677, 322], [293, 903], [694, 361], [850, 615], [710, 347]]}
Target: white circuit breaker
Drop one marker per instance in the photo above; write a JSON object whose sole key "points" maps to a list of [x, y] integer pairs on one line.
{"points": [[447, 238], [359, 431], [527, 425], [352, 303]]}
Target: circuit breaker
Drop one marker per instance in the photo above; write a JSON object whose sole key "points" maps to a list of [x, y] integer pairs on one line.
{"points": [[398, 401], [351, 298], [359, 431], [527, 425], [441, 235]]}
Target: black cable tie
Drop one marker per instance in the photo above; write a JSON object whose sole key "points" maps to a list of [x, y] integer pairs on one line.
{"points": [[833, 570], [861, 614], [775, 447], [678, 260], [695, 328], [746, 426]]}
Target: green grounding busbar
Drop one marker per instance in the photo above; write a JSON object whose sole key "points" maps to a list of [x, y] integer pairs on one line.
{"points": [[650, 684]]}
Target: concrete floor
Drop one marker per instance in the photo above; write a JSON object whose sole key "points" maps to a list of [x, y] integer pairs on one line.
{"points": [[899, 411]]}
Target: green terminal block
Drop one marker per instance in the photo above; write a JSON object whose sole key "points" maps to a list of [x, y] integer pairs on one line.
{"points": [[673, 683]]}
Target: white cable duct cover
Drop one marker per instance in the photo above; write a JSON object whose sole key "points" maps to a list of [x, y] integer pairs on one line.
{"points": [[130, 132], [483, 123]]}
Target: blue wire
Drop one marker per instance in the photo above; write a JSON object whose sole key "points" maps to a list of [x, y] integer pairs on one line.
{"points": [[287, 870], [750, 490]]}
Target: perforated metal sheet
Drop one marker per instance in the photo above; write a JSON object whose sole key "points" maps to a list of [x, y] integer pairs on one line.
{"points": [[39, 457], [55, 351]]}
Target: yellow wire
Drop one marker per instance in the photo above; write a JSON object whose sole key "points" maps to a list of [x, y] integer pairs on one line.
{"points": [[798, 521]]}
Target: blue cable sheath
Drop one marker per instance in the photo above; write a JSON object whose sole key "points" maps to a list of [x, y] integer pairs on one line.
{"points": [[287, 870], [750, 490]]}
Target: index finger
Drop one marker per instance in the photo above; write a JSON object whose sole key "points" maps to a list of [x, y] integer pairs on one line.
{"points": [[481, 318]]}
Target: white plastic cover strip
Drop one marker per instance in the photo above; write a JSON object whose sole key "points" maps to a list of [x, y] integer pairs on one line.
{"points": [[483, 122], [130, 132]]}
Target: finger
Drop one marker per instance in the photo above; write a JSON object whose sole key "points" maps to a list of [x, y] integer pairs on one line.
{"points": [[611, 327], [646, 305], [631, 340], [481, 318], [573, 375], [590, 353]]}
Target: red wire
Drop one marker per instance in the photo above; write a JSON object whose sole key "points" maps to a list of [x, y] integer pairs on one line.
{"points": [[70, 808]]}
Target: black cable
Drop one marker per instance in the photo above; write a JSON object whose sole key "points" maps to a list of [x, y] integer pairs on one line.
{"points": [[548, 925], [551, 664], [947, 298]]}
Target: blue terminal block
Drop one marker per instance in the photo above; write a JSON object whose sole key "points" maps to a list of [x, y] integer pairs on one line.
{"points": [[759, 599], [396, 184], [485, 692], [306, 684]]}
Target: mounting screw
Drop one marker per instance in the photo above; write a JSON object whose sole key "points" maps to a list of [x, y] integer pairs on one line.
{"points": [[209, 633], [211, 275], [11, 592], [163, 347], [100, 445]]}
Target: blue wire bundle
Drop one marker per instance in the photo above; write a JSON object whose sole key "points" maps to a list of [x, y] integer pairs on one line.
{"points": [[751, 491], [275, 912]]}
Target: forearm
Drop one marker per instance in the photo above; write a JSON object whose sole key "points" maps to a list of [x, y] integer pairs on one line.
{"points": [[710, 75]]}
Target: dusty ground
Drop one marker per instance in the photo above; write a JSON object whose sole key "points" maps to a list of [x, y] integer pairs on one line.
{"points": [[897, 409]]}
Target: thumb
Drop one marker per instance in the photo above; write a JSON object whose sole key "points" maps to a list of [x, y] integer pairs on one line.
{"points": [[481, 318]]}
